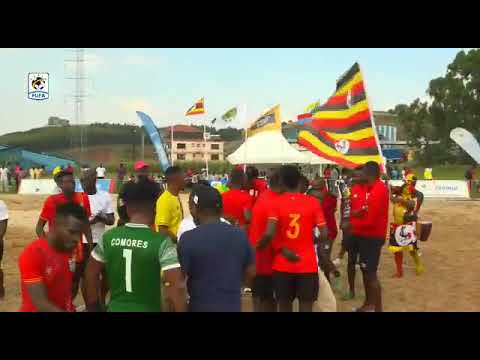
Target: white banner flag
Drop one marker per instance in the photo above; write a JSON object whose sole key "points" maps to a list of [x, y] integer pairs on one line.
{"points": [[467, 142]]}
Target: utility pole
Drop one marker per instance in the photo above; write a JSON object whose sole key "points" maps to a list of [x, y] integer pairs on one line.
{"points": [[78, 96]]}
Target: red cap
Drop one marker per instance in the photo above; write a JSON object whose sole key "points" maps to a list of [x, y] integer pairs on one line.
{"points": [[140, 164]]}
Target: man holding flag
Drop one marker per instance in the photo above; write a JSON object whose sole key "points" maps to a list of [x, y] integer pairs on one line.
{"points": [[343, 130]]}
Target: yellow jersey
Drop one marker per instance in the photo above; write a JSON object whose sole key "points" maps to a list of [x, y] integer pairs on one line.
{"points": [[169, 212]]}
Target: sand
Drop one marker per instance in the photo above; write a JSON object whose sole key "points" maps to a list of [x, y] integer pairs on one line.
{"points": [[451, 282]]}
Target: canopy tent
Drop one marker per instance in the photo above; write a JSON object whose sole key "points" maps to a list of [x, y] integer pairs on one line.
{"points": [[270, 147], [316, 160]]}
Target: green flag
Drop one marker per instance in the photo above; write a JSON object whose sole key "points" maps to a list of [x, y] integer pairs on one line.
{"points": [[230, 115]]}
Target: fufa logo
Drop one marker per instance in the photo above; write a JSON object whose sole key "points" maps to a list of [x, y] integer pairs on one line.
{"points": [[38, 86]]}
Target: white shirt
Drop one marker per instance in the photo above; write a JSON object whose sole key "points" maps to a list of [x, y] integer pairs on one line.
{"points": [[100, 204], [101, 171], [3, 211], [188, 224], [3, 173]]}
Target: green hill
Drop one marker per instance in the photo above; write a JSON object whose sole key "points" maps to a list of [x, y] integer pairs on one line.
{"points": [[103, 143], [58, 138]]}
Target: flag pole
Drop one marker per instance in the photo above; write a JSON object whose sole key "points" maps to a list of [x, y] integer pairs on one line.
{"points": [[384, 165], [205, 142], [171, 145], [244, 109]]}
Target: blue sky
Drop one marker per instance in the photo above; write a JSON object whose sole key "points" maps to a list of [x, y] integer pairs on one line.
{"points": [[166, 82]]}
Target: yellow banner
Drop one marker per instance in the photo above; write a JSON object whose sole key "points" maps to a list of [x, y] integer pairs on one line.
{"points": [[269, 121]]}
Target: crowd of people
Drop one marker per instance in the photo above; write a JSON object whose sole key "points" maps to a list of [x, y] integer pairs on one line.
{"points": [[270, 235], [12, 175]]}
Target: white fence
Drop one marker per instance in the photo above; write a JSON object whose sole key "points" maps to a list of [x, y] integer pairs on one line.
{"points": [[440, 188]]}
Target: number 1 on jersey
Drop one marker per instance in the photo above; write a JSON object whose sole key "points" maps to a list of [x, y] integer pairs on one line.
{"points": [[127, 254]]}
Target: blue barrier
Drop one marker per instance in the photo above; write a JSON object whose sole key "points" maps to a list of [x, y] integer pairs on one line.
{"points": [[102, 185]]}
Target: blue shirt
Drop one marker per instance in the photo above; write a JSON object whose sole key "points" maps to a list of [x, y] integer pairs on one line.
{"points": [[214, 258]]}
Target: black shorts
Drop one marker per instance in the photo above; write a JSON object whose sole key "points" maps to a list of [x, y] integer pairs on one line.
{"points": [[289, 286], [369, 250], [263, 287], [80, 267], [347, 241]]}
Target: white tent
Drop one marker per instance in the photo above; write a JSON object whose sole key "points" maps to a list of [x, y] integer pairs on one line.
{"points": [[270, 147]]}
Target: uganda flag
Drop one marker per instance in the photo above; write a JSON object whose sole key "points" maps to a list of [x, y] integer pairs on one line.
{"points": [[341, 130], [197, 109]]}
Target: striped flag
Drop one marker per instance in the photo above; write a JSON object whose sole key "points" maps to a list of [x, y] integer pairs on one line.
{"points": [[341, 130], [197, 109]]}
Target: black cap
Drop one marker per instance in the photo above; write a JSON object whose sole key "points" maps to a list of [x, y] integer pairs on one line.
{"points": [[206, 198]]}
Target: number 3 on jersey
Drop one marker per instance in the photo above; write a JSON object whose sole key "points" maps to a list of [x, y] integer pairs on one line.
{"points": [[294, 226], [127, 254]]}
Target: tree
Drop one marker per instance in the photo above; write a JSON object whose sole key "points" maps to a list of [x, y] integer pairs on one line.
{"points": [[456, 98], [455, 103]]}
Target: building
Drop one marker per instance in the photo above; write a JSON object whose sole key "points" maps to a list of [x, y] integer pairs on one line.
{"points": [[389, 129], [195, 150], [56, 121], [189, 145]]}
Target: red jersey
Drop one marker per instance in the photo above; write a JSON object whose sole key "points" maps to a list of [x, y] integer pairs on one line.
{"points": [[41, 263], [260, 212], [235, 202], [50, 208], [374, 223], [329, 207], [297, 215], [259, 186], [358, 199]]}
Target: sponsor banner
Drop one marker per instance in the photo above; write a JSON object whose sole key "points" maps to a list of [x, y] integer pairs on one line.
{"points": [[440, 188], [48, 186], [38, 187]]}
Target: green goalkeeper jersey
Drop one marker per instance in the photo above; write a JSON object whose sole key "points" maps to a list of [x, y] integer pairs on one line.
{"points": [[134, 255]]}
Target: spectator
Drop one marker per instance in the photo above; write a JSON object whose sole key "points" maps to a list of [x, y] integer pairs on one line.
{"points": [[215, 257], [11, 173], [428, 174], [332, 183], [255, 185], [470, 176], [395, 173], [142, 170], [4, 178], [121, 173], [169, 213], [32, 173], [18, 176], [101, 171], [3, 230]]}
